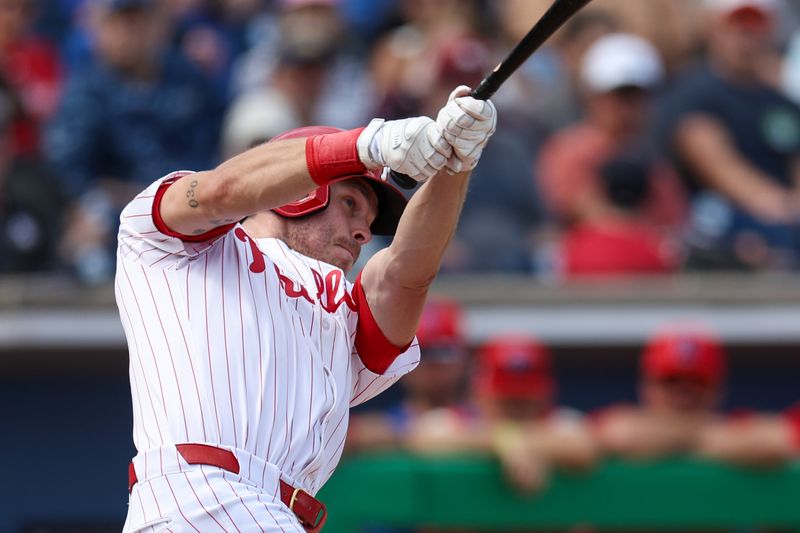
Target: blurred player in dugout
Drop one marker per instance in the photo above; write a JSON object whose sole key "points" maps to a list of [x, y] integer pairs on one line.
{"points": [[437, 383], [682, 371], [513, 416]]}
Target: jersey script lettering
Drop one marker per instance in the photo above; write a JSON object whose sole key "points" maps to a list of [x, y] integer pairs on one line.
{"points": [[327, 287]]}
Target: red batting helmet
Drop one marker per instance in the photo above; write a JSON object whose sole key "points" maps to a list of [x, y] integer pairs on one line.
{"points": [[391, 202]]}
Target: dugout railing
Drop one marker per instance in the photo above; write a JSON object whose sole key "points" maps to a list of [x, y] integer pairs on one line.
{"points": [[46, 313], [399, 490]]}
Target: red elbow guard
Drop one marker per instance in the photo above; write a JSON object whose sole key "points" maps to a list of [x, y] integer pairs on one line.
{"points": [[333, 155]]}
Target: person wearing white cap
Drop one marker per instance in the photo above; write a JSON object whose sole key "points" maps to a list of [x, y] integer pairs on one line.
{"points": [[619, 74], [621, 60], [256, 117], [306, 56], [736, 139]]}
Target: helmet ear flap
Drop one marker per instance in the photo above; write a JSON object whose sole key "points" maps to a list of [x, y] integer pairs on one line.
{"points": [[312, 203]]}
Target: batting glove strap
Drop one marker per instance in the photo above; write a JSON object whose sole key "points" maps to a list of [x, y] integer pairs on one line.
{"points": [[367, 144], [413, 146]]}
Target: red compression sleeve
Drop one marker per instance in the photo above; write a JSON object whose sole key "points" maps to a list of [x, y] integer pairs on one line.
{"points": [[374, 349], [333, 155]]}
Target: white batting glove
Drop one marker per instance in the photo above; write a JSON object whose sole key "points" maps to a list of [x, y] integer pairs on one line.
{"points": [[467, 124], [413, 146]]}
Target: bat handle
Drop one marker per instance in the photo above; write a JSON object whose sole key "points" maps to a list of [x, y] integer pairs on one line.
{"points": [[403, 181], [483, 91]]}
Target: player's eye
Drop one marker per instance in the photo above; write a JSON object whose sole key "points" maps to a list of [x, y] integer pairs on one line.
{"points": [[350, 202]]}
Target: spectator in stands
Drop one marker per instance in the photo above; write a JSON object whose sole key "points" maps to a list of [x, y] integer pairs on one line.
{"points": [[311, 66], [31, 202], [674, 27], [619, 74], [213, 34], [255, 118], [31, 66], [401, 61], [367, 18], [501, 213], [516, 417], [132, 114], [542, 96], [736, 140], [436, 385], [617, 239]]}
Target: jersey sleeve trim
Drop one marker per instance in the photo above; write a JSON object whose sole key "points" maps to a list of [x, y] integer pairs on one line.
{"points": [[375, 350], [161, 225]]}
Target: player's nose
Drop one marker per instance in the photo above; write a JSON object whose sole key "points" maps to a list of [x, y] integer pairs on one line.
{"points": [[361, 233]]}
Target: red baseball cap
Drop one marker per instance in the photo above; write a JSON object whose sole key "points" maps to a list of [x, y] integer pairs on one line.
{"points": [[440, 323], [693, 354], [514, 367], [755, 15]]}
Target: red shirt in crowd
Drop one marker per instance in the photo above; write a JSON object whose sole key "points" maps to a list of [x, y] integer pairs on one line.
{"points": [[568, 177], [31, 67], [616, 247]]}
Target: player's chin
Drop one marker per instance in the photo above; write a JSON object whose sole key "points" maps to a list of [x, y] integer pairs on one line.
{"points": [[342, 258]]}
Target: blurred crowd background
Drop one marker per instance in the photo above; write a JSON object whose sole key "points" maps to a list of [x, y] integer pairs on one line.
{"points": [[647, 137]]}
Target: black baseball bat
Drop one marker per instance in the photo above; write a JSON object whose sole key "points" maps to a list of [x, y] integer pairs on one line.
{"points": [[555, 17]]}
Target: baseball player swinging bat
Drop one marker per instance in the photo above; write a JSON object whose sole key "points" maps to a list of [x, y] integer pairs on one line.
{"points": [[555, 17]]}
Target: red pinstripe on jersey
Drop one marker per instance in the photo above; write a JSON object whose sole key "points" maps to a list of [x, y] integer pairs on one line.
{"points": [[260, 360]]}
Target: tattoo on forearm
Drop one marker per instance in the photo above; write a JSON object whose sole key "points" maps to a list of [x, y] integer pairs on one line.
{"points": [[190, 194], [214, 223], [221, 222]]}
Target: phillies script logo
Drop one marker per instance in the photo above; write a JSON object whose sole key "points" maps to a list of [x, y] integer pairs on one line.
{"points": [[327, 287]]}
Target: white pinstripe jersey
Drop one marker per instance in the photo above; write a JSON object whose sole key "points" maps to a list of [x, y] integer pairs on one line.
{"points": [[241, 344]]}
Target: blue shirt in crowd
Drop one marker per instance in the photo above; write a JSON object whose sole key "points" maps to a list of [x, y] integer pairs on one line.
{"points": [[109, 126], [764, 127]]}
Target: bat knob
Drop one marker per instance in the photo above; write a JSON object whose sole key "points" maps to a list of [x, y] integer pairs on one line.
{"points": [[402, 180]]}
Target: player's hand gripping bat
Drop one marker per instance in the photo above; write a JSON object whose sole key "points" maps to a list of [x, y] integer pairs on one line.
{"points": [[554, 18]]}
